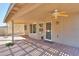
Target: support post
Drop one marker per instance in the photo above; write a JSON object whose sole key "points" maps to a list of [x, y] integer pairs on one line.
{"points": [[12, 31]]}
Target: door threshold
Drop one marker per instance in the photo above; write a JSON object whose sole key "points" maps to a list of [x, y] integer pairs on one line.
{"points": [[48, 41]]}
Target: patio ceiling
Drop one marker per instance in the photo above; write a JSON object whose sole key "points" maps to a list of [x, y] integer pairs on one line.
{"points": [[27, 13]]}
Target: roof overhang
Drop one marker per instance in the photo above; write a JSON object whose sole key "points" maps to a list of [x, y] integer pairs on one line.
{"points": [[8, 11], [33, 12], [14, 8]]}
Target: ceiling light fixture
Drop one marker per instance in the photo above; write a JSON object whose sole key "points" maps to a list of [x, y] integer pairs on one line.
{"points": [[57, 14]]}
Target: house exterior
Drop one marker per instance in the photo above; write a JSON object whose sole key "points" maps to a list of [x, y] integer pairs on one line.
{"points": [[36, 21]]}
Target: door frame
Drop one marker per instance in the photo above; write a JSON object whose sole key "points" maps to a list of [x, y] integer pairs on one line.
{"points": [[51, 31]]}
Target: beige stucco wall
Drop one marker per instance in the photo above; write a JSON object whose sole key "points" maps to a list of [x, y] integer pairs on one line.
{"points": [[70, 31]]}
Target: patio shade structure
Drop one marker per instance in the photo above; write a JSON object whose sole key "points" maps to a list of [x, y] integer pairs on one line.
{"points": [[36, 13], [19, 13]]}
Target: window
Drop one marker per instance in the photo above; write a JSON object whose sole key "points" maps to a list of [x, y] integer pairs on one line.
{"points": [[32, 28], [41, 27], [25, 27]]}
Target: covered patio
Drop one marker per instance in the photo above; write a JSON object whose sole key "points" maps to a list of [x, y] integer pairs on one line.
{"points": [[36, 21], [58, 36]]}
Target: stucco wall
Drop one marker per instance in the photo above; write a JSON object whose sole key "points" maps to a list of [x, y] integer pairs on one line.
{"points": [[71, 31], [67, 31]]}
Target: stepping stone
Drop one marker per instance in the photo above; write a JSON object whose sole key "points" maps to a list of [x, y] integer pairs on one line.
{"points": [[25, 46], [39, 49], [5, 53], [20, 53], [16, 49], [47, 54], [3, 49], [35, 53], [28, 49]]}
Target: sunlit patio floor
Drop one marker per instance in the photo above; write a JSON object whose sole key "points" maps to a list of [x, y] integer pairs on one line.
{"points": [[32, 47]]}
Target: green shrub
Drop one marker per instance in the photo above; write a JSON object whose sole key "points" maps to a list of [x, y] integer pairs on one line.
{"points": [[9, 44]]}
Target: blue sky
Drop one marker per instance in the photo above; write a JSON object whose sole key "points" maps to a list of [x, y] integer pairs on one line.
{"points": [[3, 9]]}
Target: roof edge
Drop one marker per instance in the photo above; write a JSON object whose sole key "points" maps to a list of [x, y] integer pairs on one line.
{"points": [[8, 11]]}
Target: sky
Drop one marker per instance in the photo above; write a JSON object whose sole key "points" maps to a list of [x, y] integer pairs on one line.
{"points": [[3, 10]]}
